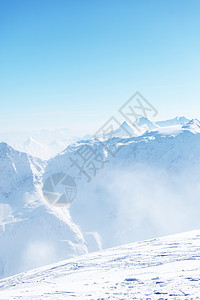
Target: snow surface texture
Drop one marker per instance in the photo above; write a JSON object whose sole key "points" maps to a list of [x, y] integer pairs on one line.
{"points": [[161, 268], [152, 178]]}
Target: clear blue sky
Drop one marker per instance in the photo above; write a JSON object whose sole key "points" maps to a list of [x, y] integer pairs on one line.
{"points": [[70, 63]]}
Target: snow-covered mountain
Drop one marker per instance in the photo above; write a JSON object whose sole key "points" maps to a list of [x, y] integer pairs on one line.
{"points": [[127, 187], [176, 121], [35, 148], [151, 177], [46, 144], [144, 122], [32, 233], [43, 136], [43, 144], [193, 126], [161, 268], [44, 151]]}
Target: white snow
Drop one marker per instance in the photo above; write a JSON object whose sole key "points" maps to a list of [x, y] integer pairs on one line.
{"points": [[147, 124], [176, 121], [42, 143], [32, 233], [152, 176], [161, 268], [46, 144]]}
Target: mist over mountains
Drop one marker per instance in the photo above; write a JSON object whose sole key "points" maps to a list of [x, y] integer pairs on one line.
{"points": [[143, 186], [45, 143]]}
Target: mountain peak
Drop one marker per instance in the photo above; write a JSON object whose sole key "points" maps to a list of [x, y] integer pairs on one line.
{"points": [[149, 125], [181, 119], [125, 125], [194, 121], [30, 140], [193, 126]]}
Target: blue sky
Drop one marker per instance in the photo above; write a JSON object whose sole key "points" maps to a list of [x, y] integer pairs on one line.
{"points": [[74, 63]]}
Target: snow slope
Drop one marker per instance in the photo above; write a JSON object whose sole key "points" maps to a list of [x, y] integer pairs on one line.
{"points": [[160, 268]]}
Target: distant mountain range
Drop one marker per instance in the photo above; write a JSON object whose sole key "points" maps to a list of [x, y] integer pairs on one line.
{"points": [[45, 144]]}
